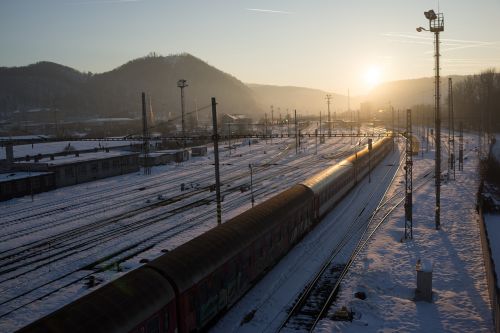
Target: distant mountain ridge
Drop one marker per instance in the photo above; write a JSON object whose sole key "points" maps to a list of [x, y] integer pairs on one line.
{"points": [[116, 93]]}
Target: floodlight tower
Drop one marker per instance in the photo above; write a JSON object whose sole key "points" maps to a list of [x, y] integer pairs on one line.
{"points": [[182, 84], [436, 25]]}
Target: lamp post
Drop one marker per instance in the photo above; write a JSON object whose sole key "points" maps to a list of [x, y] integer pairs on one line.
{"points": [[182, 84], [436, 25]]}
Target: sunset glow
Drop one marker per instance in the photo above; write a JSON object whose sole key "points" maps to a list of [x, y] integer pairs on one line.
{"points": [[372, 76]]}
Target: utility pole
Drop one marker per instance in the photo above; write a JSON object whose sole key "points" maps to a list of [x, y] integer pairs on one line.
{"points": [[296, 135], [328, 98], [316, 141], [265, 126], [183, 84], [451, 129], [369, 160], [349, 113], [393, 132], [461, 148], [408, 179], [229, 137], [251, 183], [288, 122], [320, 122], [272, 123], [145, 136], [215, 138]]}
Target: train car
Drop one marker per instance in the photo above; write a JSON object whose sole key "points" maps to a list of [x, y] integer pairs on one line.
{"points": [[211, 272], [331, 184], [141, 301]]}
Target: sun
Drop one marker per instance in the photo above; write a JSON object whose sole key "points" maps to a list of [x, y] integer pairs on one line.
{"points": [[372, 76]]}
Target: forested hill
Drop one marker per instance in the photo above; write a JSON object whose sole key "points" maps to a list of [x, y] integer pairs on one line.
{"points": [[117, 93]]}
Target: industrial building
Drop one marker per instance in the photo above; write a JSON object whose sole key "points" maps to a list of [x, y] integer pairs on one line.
{"points": [[79, 168], [164, 157], [236, 123], [20, 183]]}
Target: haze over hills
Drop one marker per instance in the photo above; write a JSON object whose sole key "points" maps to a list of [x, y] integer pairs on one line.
{"points": [[407, 93], [116, 93], [305, 100]]}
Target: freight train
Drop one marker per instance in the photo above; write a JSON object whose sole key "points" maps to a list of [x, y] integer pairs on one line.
{"points": [[190, 287]]}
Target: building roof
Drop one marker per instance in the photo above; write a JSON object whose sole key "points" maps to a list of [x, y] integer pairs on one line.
{"points": [[9, 176], [84, 157], [237, 116]]}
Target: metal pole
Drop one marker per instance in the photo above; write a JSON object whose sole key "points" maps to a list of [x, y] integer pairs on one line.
{"points": [[272, 123], [320, 123], [251, 183], [369, 160], [328, 98], [450, 152], [408, 179], [265, 127], [461, 147], [288, 122], [182, 84], [229, 137], [216, 156], [393, 132], [316, 141], [296, 135], [145, 135], [438, 139], [452, 130]]}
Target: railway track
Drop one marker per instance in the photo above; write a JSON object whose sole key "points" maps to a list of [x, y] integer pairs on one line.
{"points": [[315, 300], [61, 249]]}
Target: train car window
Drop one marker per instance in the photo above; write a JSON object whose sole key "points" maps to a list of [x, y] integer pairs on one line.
{"points": [[166, 321], [154, 325]]}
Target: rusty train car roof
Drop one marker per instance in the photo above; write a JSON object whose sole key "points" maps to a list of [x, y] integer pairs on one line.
{"points": [[115, 307]]}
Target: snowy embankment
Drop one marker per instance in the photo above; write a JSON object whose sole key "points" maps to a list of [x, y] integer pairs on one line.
{"points": [[385, 271], [492, 220]]}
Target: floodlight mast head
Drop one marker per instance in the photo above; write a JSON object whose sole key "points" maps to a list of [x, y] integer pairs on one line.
{"points": [[436, 21], [430, 15]]}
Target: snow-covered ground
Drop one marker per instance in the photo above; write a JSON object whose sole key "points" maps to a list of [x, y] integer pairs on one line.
{"points": [[49, 247], [385, 269]]}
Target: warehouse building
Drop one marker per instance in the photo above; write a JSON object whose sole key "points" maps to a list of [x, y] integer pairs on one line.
{"points": [[79, 168]]}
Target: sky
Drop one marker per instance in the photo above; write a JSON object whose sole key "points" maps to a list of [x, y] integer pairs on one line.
{"points": [[325, 44]]}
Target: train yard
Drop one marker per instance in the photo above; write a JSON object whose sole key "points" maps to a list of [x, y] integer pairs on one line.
{"points": [[65, 243], [375, 271]]}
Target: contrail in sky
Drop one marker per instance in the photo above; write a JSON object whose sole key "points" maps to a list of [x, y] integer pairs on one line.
{"points": [[92, 2], [268, 11], [449, 44]]}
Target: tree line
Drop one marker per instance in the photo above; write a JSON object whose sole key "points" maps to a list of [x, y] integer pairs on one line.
{"points": [[476, 101]]}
